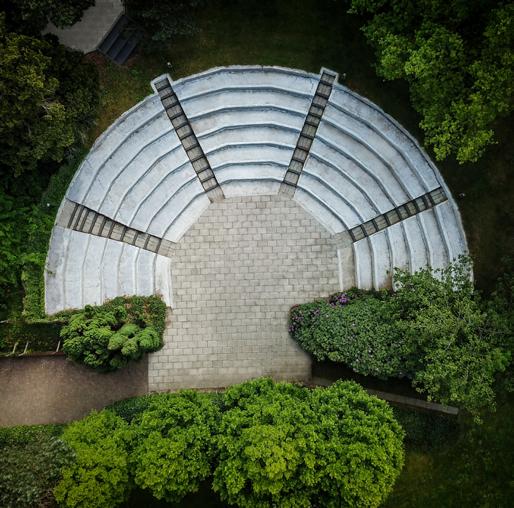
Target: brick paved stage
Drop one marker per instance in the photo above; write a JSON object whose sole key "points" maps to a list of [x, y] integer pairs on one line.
{"points": [[235, 275]]}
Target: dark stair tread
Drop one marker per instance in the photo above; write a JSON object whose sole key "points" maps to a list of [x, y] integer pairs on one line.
{"points": [[117, 47], [128, 49], [113, 35]]}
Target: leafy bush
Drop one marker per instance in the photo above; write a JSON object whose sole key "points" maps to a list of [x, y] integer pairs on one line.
{"points": [[360, 334], [31, 459], [426, 431], [457, 58], [282, 445], [174, 444], [432, 329], [107, 337], [100, 475], [50, 98], [29, 16]]}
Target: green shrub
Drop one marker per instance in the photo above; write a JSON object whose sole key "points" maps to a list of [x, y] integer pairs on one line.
{"points": [[433, 329], [30, 463], [99, 477], [128, 409], [360, 334], [108, 336], [282, 445], [174, 444]]}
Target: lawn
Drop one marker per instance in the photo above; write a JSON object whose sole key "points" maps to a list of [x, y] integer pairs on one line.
{"points": [[476, 468]]}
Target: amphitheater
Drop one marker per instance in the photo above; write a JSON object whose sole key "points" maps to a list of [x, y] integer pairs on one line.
{"points": [[235, 194]]}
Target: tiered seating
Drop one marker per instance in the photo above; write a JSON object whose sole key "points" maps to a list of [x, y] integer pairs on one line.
{"points": [[86, 269], [247, 120]]}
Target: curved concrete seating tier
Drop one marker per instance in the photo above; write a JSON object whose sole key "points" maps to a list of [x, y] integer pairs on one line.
{"points": [[247, 121], [84, 269]]}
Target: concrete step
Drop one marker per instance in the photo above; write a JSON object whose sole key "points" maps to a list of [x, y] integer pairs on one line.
{"points": [[162, 176], [247, 77], [240, 114], [382, 197], [416, 241], [366, 160], [454, 234], [85, 269], [356, 195], [319, 209], [336, 202], [363, 264], [114, 34], [382, 123], [379, 147], [130, 154]]}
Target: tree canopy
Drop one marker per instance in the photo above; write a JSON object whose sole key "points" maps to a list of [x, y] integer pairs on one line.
{"points": [[458, 59], [49, 97], [283, 445], [31, 16]]}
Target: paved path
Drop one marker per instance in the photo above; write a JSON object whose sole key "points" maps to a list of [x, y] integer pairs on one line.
{"points": [[235, 275], [96, 22], [55, 390]]}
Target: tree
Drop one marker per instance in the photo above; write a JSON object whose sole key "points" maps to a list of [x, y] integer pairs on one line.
{"points": [[33, 123], [50, 98], [31, 16], [99, 476], [458, 59], [174, 444], [283, 445], [164, 20], [434, 329]]}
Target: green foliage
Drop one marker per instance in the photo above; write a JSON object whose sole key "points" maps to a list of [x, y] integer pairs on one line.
{"points": [[108, 336], [38, 227], [33, 122], [99, 476], [426, 431], [361, 334], [282, 445], [174, 444], [433, 329], [50, 98], [164, 20], [457, 58], [11, 238], [30, 463], [31, 16], [129, 409], [42, 336]]}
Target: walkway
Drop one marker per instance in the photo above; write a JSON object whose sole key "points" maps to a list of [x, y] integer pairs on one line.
{"points": [[55, 390], [87, 34]]}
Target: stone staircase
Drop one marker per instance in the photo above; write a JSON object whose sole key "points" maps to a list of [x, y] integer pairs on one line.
{"points": [[121, 41]]}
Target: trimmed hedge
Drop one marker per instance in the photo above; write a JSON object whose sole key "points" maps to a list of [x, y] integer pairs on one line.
{"points": [[99, 477], [174, 445], [108, 336]]}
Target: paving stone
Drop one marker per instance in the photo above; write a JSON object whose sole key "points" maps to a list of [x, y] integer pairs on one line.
{"points": [[246, 326]]}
